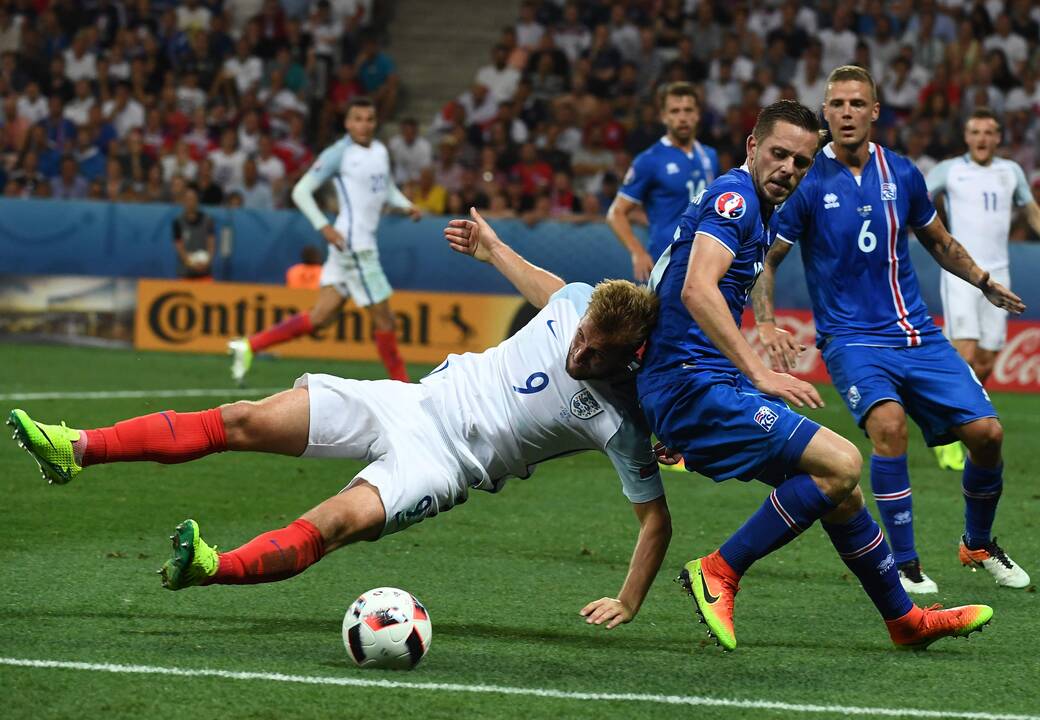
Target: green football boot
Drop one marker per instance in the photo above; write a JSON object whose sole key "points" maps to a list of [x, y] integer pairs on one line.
{"points": [[950, 457], [193, 561], [49, 445], [714, 608]]}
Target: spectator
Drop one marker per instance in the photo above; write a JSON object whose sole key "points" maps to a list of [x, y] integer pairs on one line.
{"points": [[154, 189], [1009, 42], [10, 30], [478, 105], [810, 83], [134, 161], [498, 77], [378, 76], [209, 192], [179, 163], [306, 274], [427, 195], [533, 173], [70, 184], [624, 36], [244, 69], [90, 159], [80, 61], [194, 239], [838, 41], [14, 128], [123, 111], [228, 161], [193, 17], [410, 152], [571, 36], [77, 110], [269, 165], [32, 105], [528, 30], [255, 192]]}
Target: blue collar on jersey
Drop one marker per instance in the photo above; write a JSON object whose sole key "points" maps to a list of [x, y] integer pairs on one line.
{"points": [[696, 150]]}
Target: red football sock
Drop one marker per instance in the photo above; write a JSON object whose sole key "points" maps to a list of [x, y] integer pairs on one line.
{"points": [[286, 330], [386, 343], [273, 556], [165, 437]]}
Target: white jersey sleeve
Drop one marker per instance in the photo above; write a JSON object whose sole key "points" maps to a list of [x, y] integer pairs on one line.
{"points": [[1023, 195], [323, 168], [936, 180], [634, 460]]}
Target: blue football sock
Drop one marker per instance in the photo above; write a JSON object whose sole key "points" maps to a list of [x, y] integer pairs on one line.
{"points": [[792, 507], [982, 488], [862, 547], [890, 481]]}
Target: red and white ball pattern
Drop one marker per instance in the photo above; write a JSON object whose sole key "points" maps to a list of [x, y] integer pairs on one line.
{"points": [[387, 628]]}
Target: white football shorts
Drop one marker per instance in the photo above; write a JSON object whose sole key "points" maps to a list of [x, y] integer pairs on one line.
{"points": [[386, 422], [356, 274], [969, 315]]}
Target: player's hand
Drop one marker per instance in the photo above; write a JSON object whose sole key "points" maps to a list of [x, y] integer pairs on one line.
{"points": [[665, 455], [781, 346], [415, 213], [1000, 295], [797, 392], [471, 237], [642, 265], [607, 610], [332, 237]]}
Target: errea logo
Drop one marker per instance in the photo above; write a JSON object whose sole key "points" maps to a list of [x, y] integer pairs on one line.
{"points": [[671, 168], [830, 200]]}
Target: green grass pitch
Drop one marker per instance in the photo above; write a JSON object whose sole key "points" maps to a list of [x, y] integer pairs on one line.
{"points": [[503, 577]]}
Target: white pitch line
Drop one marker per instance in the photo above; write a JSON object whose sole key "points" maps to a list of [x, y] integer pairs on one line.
{"points": [[695, 700], [130, 394]]}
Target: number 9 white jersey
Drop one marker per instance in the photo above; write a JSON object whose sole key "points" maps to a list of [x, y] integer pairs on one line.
{"points": [[513, 406]]}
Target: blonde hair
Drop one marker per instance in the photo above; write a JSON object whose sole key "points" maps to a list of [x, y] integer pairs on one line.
{"points": [[852, 73], [623, 311]]}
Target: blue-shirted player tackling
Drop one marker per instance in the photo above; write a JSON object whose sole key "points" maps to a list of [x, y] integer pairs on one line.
{"points": [[709, 396], [886, 356], [664, 178]]}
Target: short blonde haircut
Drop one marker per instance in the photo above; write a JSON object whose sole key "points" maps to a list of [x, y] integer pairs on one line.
{"points": [[852, 73], [623, 311]]}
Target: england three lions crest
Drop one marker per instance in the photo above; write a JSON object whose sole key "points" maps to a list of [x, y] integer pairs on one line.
{"points": [[584, 406]]}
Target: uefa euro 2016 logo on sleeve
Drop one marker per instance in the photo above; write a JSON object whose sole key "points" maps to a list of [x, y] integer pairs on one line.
{"points": [[730, 205], [766, 418]]}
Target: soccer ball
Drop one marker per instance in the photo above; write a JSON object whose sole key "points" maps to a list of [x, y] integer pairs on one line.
{"points": [[387, 628], [199, 257]]}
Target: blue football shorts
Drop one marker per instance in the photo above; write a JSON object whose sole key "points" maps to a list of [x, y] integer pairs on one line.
{"points": [[725, 427], [932, 382]]}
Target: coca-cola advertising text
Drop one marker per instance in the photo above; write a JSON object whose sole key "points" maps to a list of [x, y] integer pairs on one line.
{"points": [[1017, 368]]}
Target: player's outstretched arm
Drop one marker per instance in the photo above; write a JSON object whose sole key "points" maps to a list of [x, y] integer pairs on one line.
{"points": [[709, 261], [1032, 211], [655, 532], [780, 344], [617, 219], [953, 258], [476, 238]]}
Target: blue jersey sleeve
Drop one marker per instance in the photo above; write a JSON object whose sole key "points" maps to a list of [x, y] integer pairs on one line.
{"points": [[922, 211], [638, 179], [790, 219], [725, 215], [577, 294]]}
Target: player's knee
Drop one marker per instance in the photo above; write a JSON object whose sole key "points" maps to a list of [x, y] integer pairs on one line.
{"points": [[844, 467], [985, 439], [889, 431], [238, 418]]}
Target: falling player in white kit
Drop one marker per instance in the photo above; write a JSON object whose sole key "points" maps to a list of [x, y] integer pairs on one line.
{"points": [[563, 384], [359, 166], [980, 191]]}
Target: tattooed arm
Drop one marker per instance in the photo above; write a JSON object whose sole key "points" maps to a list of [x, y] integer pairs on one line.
{"points": [[780, 344], [953, 258]]}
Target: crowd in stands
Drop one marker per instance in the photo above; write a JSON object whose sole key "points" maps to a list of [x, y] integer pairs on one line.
{"points": [[133, 100]]}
